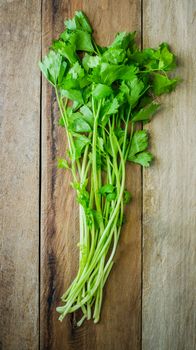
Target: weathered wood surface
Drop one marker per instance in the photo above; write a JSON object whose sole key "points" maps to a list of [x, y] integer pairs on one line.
{"points": [[169, 226], [169, 308], [121, 315], [19, 180]]}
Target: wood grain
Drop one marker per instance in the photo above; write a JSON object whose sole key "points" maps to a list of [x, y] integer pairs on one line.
{"points": [[169, 319], [19, 181], [169, 220], [121, 322]]}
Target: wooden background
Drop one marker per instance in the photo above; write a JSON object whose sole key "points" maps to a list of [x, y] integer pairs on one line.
{"points": [[149, 300]]}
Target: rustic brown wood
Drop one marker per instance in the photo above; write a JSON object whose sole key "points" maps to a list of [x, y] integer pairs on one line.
{"points": [[169, 321], [20, 117], [120, 323]]}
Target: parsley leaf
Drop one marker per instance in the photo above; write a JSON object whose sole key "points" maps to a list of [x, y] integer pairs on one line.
{"points": [[161, 84], [110, 73], [83, 41], [123, 40], [139, 142], [63, 164], [53, 67], [167, 59], [77, 123], [142, 158], [146, 113], [133, 90], [72, 94], [90, 61], [127, 197], [66, 50], [108, 188], [114, 55], [101, 91], [79, 21], [87, 114], [80, 141]]}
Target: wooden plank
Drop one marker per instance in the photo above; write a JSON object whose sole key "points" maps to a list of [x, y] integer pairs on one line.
{"points": [[20, 116], [169, 190], [120, 322]]}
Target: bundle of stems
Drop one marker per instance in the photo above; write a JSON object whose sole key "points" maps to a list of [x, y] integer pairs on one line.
{"points": [[102, 93]]}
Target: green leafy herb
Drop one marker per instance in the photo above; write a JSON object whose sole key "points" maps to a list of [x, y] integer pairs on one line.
{"points": [[142, 158], [127, 197], [146, 113], [163, 84], [63, 164], [102, 92], [139, 142]]}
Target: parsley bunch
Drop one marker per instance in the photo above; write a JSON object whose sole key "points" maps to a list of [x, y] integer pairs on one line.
{"points": [[102, 93]]}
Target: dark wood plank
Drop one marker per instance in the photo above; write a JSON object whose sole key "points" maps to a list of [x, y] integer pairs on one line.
{"points": [[169, 320], [119, 327], [19, 181]]}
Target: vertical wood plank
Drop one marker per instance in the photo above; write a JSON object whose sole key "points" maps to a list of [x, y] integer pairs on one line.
{"points": [[169, 320], [19, 181], [120, 322]]}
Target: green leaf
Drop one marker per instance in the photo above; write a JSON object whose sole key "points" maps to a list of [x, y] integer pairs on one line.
{"points": [[78, 124], [110, 107], [111, 196], [62, 72], [53, 67], [133, 90], [87, 93], [74, 95], [66, 50], [101, 91], [90, 61], [85, 110], [61, 122], [167, 58], [100, 144], [60, 309], [139, 142], [63, 164], [161, 84], [144, 101], [143, 58], [83, 21], [108, 188], [123, 40], [107, 73], [127, 197], [114, 55], [87, 115], [146, 113], [83, 41], [44, 70], [109, 191], [110, 73], [107, 109], [76, 71], [70, 24], [79, 21], [155, 59], [75, 78], [80, 141], [143, 158]]}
